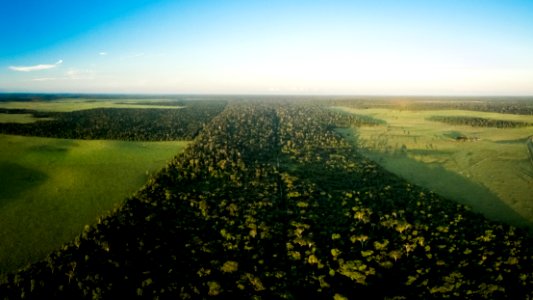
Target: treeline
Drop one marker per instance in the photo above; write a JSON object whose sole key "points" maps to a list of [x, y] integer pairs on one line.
{"points": [[478, 122], [120, 123], [368, 232], [503, 105], [337, 119], [30, 97], [157, 103], [16, 111], [516, 106], [22, 111], [268, 203]]}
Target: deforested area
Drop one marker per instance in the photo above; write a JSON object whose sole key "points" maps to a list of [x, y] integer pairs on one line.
{"points": [[270, 201], [266, 149]]}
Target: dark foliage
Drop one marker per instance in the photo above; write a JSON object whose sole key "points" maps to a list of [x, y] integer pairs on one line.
{"points": [[269, 202], [504, 105], [478, 122], [121, 123]]}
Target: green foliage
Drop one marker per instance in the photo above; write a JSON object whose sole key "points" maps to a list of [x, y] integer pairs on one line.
{"points": [[478, 122], [51, 188], [132, 124], [326, 221], [504, 105]]}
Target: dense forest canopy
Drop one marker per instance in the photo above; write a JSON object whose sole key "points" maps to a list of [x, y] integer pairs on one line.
{"points": [[270, 202]]}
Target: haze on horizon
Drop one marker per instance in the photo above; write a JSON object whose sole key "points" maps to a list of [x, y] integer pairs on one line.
{"points": [[268, 47]]}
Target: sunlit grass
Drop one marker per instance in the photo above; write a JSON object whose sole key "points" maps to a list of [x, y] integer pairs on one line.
{"points": [[51, 188], [494, 164], [19, 118], [67, 105]]}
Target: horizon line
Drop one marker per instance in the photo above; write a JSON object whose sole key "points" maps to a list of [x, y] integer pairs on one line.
{"points": [[263, 94]]}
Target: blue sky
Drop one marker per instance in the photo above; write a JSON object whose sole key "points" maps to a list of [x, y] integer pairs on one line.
{"points": [[436, 47]]}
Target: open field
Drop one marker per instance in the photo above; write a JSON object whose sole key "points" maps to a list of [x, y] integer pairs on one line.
{"points": [[20, 118], [51, 188], [268, 201], [488, 169], [126, 119], [67, 105]]}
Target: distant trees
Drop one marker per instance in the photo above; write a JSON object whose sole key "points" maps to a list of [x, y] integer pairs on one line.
{"points": [[504, 105], [478, 122], [269, 202], [121, 123]]}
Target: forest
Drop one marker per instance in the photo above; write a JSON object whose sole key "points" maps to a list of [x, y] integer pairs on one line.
{"points": [[478, 122], [270, 202], [503, 105], [119, 123]]}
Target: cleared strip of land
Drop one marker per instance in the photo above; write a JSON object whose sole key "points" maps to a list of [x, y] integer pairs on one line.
{"points": [[20, 118], [51, 188], [486, 168], [67, 105]]}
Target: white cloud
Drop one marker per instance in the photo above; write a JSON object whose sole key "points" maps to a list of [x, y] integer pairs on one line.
{"points": [[36, 67], [103, 53]]}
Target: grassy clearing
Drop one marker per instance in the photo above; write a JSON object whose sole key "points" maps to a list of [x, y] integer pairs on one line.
{"points": [[67, 105], [20, 118], [491, 171], [51, 188]]}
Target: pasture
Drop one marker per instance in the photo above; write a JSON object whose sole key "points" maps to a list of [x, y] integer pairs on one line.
{"points": [[51, 188], [68, 105], [488, 169], [20, 118]]}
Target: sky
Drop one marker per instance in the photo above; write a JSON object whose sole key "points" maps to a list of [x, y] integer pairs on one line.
{"points": [[333, 47]]}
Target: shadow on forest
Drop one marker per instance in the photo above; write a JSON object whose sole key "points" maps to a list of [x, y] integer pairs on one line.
{"points": [[445, 183], [15, 179]]}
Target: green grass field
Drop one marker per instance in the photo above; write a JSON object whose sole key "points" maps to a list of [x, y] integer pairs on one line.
{"points": [[19, 118], [67, 105], [51, 188], [491, 172]]}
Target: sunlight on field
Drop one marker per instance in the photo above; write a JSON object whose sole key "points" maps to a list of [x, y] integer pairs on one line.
{"points": [[66, 105], [51, 188], [20, 118], [491, 170]]}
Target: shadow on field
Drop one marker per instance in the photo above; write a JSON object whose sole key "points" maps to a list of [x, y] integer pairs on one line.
{"points": [[446, 183], [15, 179], [48, 149]]}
